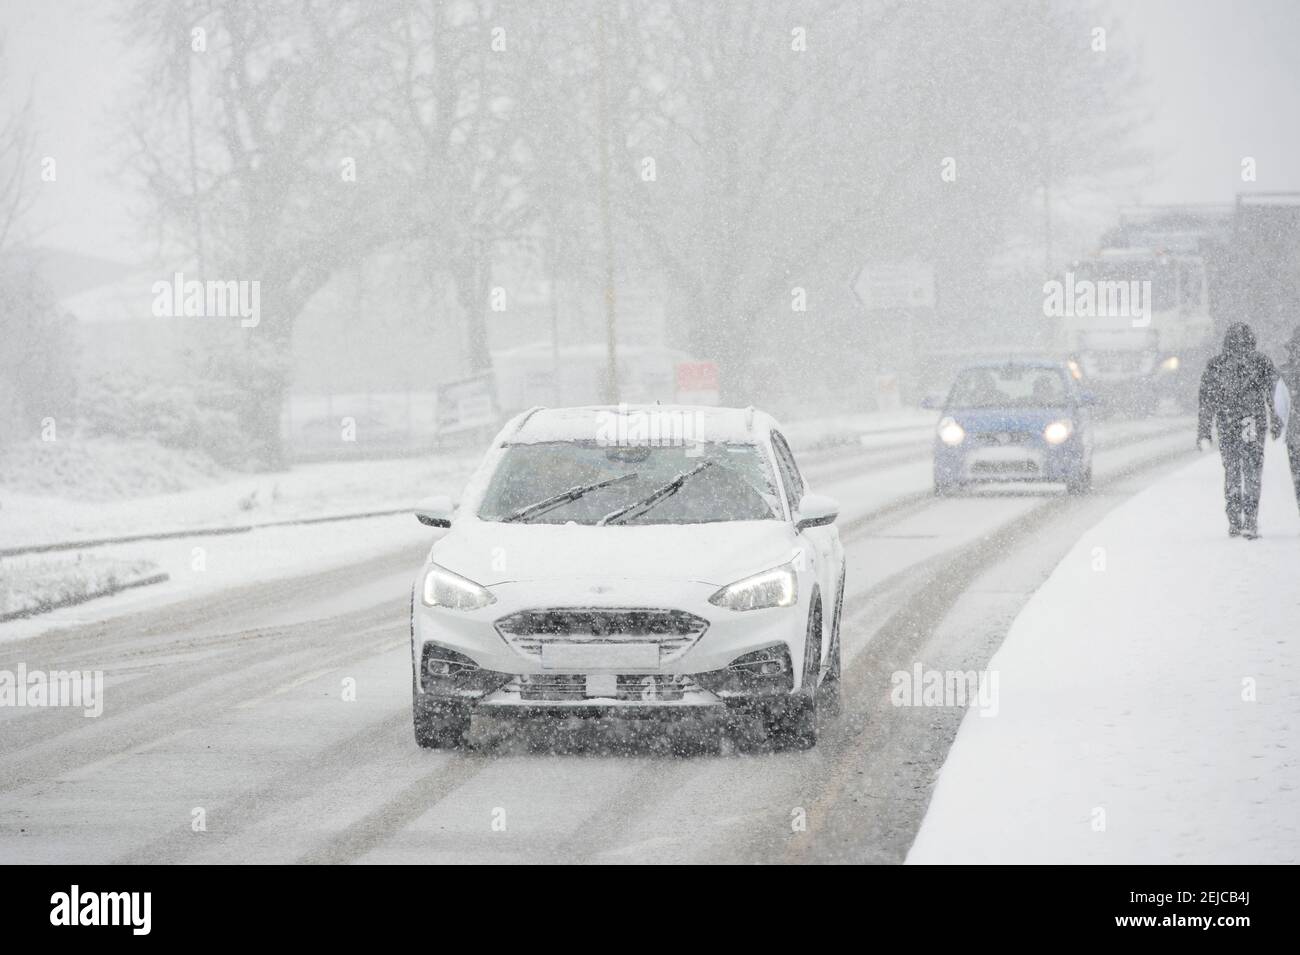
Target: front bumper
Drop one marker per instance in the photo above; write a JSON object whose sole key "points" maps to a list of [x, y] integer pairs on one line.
{"points": [[686, 663], [978, 460]]}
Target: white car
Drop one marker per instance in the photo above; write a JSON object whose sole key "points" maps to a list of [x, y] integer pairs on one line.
{"points": [[631, 561]]}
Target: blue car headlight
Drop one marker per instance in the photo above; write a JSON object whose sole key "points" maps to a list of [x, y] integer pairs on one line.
{"points": [[951, 433], [1058, 432]]}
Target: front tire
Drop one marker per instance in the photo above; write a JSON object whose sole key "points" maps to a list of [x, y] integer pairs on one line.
{"points": [[440, 724], [1080, 483], [946, 487], [830, 685], [791, 723]]}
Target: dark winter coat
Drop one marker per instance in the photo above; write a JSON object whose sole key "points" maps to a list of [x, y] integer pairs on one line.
{"points": [[1237, 383]]}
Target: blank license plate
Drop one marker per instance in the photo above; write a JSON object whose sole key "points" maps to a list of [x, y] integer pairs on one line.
{"points": [[581, 657]]}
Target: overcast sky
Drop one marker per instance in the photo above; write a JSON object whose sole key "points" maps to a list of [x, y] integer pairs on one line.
{"points": [[1224, 80]]}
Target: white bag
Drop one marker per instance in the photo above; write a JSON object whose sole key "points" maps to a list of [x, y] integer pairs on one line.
{"points": [[1282, 403]]}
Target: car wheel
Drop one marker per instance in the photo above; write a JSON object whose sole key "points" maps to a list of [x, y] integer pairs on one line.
{"points": [[440, 724], [1080, 483], [946, 487], [791, 723], [830, 686]]}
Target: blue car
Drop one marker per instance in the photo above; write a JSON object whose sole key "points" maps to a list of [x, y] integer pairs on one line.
{"points": [[1014, 421]]}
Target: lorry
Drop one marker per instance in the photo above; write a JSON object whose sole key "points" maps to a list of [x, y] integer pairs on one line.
{"points": [[1138, 321], [1208, 266], [1256, 277]]}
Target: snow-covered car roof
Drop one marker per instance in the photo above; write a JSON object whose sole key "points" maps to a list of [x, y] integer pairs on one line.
{"points": [[651, 423]]}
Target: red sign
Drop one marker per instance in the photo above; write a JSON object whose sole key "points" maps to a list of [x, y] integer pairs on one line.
{"points": [[697, 383], [697, 376]]}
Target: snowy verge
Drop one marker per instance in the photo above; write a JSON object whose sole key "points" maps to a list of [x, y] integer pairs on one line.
{"points": [[200, 566], [31, 586], [1149, 696], [308, 491]]}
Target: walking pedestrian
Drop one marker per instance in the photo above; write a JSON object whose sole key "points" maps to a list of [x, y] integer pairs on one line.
{"points": [[1236, 398]]}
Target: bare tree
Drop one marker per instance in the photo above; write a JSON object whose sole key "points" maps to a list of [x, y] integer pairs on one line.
{"points": [[449, 101], [257, 186], [791, 136], [16, 167], [36, 357]]}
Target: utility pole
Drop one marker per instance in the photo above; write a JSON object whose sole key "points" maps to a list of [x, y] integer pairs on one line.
{"points": [[196, 210], [1045, 138], [606, 214], [1045, 147], [553, 262]]}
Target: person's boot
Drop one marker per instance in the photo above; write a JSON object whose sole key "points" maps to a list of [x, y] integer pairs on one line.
{"points": [[1250, 528]]}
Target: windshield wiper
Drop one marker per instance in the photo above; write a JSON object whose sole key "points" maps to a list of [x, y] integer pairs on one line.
{"points": [[649, 501], [564, 497]]}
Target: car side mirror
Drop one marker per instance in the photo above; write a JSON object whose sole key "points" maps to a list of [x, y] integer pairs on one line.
{"points": [[816, 510], [932, 402], [435, 511]]}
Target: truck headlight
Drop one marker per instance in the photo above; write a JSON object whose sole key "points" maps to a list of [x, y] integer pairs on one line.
{"points": [[778, 587], [1170, 364], [442, 588], [1058, 432], [951, 433]]}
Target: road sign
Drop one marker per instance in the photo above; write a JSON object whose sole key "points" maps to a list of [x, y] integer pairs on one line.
{"points": [[467, 404], [898, 285]]}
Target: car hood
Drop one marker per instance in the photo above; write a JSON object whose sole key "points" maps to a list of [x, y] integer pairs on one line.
{"points": [[980, 420], [492, 553]]}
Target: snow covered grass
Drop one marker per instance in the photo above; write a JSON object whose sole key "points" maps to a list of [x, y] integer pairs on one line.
{"points": [[199, 565], [1149, 696], [34, 585], [307, 491], [100, 469]]}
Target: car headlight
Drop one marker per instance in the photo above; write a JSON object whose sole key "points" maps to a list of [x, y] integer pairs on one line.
{"points": [[442, 588], [950, 432], [1058, 432], [778, 587], [1170, 364]]}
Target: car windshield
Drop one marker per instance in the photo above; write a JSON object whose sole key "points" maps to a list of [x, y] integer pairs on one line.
{"points": [[737, 484], [1010, 386]]}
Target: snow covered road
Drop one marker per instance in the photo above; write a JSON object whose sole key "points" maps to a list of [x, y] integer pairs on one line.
{"points": [[228, 708]]}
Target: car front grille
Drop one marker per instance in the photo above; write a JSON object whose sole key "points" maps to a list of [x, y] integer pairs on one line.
{"points": [[631, 688], [675, 631]]}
